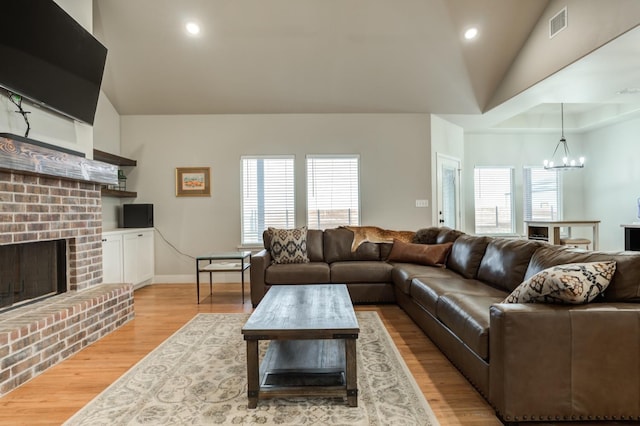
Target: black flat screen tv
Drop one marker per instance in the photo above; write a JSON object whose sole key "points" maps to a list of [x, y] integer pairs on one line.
{"points": [[49, 58]]}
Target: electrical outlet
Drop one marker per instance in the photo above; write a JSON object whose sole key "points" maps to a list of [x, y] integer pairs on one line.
{"points": [[422, 203]]}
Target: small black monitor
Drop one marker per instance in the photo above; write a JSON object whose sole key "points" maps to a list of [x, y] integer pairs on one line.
{"points": [[137, 216]]}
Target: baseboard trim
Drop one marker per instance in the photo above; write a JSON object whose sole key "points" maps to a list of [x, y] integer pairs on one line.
{"points": [[218, 277]]}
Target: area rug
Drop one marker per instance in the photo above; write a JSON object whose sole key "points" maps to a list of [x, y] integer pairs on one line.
{"points": [[198, 377]]}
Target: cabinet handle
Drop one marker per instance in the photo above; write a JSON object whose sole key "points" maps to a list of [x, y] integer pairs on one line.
{"points": [[139, 235], [104, 240]]}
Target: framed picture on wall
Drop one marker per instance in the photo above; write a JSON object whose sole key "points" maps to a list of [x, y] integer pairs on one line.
{"points": [[193, 182]]}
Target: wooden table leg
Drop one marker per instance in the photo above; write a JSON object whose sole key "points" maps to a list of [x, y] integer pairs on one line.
{"points": [[351, 372], [253, 385]]}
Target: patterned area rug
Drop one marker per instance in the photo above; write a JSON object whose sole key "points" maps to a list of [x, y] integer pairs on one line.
{"points": [[198, 377]]}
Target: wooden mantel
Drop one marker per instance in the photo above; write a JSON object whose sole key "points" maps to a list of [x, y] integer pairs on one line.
{"points": [[18, 155]]}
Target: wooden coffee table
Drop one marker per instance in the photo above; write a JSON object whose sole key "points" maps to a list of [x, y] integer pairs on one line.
{"points": [[313, 331]]}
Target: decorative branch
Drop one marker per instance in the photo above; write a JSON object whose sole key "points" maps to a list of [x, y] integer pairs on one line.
{"points": [[17, 101]]}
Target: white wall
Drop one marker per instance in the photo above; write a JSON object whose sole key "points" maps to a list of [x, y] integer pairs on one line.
{"points": [[520, 150], [612, 179], [106, 137], [393, 149], [47, 126]]}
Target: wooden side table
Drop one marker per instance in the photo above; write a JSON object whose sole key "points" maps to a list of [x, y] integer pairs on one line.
{"points": [[222, 262]]}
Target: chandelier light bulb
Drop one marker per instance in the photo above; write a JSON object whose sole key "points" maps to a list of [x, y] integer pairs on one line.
{"points": [[581, 160], [565, 160]]}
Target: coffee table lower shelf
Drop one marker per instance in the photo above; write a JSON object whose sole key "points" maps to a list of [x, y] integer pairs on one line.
{"points": [[305, 368]]}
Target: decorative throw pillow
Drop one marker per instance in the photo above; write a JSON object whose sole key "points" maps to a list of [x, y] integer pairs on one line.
{"points": [[423, 254], [289, 245], [573, 283]]}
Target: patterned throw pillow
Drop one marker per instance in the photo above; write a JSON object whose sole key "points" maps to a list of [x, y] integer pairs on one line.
{"points": [[289, 245], [573, 283]]}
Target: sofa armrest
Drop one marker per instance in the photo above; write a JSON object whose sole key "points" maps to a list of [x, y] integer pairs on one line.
{"points": [[552, 362], [259, 263]]}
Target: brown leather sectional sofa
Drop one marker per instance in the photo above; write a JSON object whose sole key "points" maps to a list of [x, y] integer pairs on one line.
{"points": [[532, 362]]}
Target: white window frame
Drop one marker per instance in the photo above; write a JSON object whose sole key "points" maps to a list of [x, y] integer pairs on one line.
{"points": [[527, 197], [290, 201], [316, 224], [512, 220]]}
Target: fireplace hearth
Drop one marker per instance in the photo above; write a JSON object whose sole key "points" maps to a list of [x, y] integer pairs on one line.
{"points": [[51, 243]]}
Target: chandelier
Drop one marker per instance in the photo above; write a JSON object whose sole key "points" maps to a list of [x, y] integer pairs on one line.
{"points": [[566, 162]]}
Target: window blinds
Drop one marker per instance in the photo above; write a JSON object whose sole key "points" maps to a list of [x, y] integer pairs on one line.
{"points": [[333, 191], [267, 195], [541, 194], [493, 194]]}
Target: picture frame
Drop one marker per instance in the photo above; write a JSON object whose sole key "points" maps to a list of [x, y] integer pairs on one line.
{"points": [[193, 181]]}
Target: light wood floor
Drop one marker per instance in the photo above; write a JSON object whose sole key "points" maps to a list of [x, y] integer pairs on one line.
{"points": [[161, 309]]}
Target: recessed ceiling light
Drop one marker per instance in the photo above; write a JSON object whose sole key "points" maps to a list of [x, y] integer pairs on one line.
{"points": [[192, 28], [471, 33]]}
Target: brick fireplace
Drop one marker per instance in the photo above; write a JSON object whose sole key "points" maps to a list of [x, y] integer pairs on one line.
{"points": [[37, 204], [35, 208]]}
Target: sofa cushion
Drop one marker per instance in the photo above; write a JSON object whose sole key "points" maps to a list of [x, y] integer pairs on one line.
{"points": [[385, 249], [289, 245], [291, 273], [403, 273], [337, 247], [427, 290], [315, 245], [466, 255], [426, 235], [625, 285], [361, 271], [505, 262], [574, 283], [448, 235], [467, 316], [422, 254]]}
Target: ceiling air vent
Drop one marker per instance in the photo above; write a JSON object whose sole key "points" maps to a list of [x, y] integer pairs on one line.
{"points": [[558, 23]]}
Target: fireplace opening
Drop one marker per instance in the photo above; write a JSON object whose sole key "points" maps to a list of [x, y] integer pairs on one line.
{"points": [[32, 271]]}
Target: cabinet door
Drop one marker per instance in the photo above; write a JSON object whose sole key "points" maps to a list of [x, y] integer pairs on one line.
{"points": [[112, 259], [130, 245], [146, 264], [138, 256]]}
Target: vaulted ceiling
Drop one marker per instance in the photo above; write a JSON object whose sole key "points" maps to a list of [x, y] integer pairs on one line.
{"points": [[330, 56]]}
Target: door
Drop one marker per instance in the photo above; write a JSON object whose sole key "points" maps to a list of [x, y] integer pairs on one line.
{"points": [[448, 191], [112, 259]]}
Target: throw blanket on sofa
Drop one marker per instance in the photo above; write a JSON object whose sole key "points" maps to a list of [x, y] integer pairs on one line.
{"points": [[373, 234]]}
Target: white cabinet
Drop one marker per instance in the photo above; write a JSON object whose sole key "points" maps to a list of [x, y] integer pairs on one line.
{"points": [[138, 256], [136, 262], [112, 258]]}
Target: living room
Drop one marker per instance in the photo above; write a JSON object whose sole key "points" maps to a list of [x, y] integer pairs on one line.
{"points": [[397, 146], [395, 151]]}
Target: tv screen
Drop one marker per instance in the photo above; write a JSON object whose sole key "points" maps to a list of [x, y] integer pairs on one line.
{"points": [[49, 58]]}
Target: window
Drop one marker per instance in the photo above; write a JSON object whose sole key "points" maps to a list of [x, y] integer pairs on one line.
{"points": [[267, 195], [541, 194], [493, 194], [333, 191]]}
